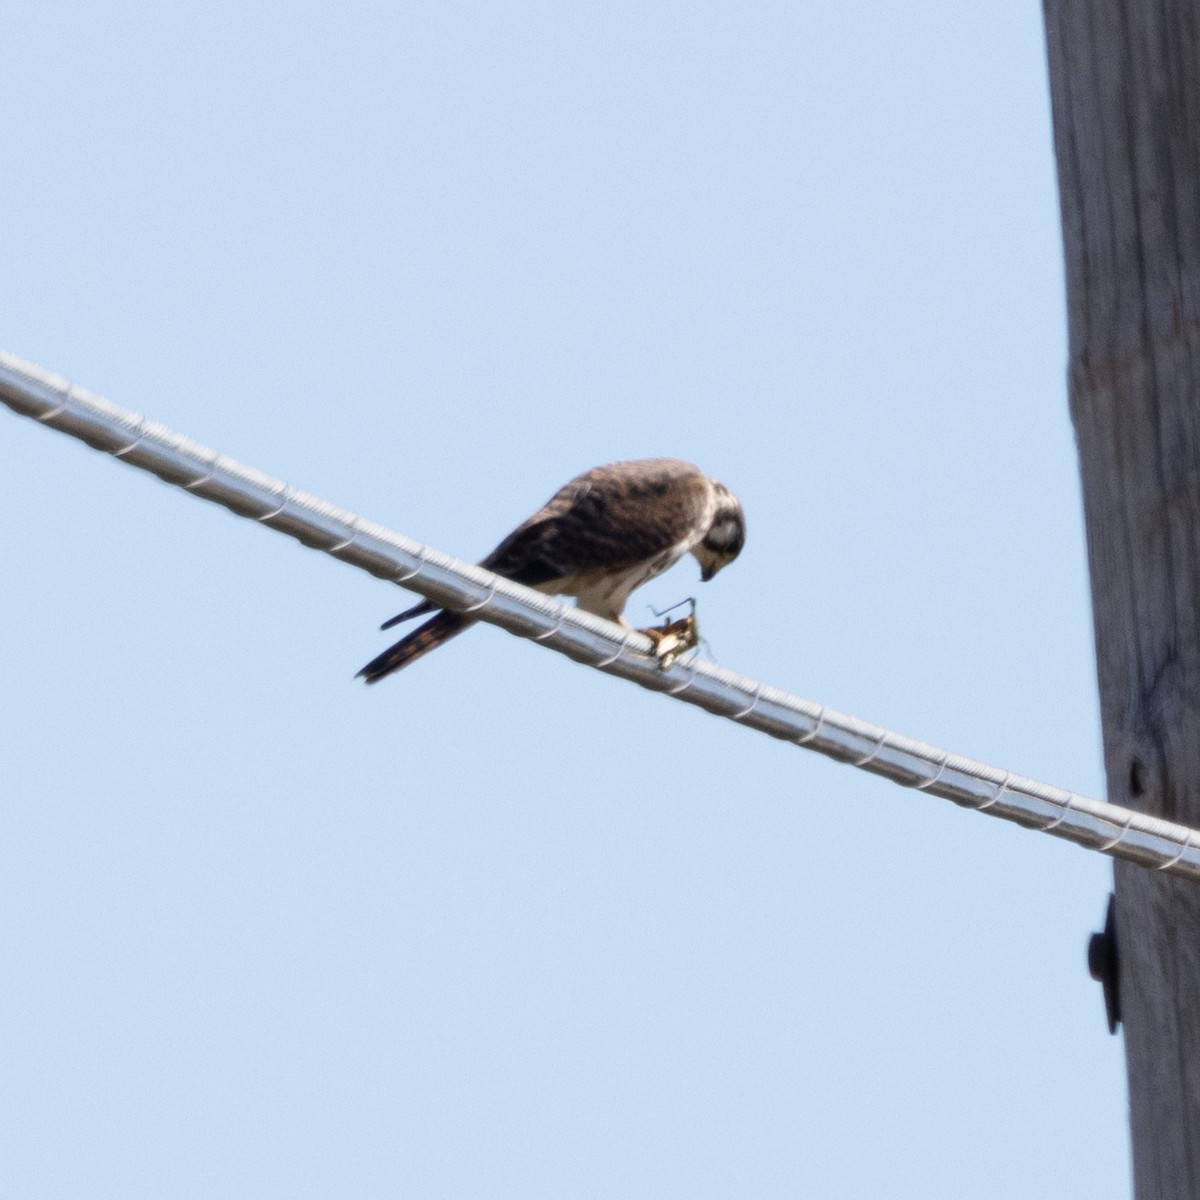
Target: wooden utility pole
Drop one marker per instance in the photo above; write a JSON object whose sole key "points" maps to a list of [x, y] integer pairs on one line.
{"points": [[1125, 88]]}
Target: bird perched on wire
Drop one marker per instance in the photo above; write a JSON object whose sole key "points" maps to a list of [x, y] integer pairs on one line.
{"points": [[598, 537]]}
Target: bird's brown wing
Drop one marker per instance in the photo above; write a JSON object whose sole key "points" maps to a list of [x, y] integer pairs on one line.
{"points": [[607, 519]]}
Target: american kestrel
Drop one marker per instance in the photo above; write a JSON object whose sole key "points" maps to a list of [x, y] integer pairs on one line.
{"points": [[599, 537]]}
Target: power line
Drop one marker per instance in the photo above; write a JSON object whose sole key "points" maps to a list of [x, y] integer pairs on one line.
{"points": [[1120, 832]]}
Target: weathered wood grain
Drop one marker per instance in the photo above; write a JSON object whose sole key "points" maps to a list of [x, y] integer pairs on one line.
{"points": [[1125, 88]]}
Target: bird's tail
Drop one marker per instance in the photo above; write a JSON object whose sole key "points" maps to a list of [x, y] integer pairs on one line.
{"points": [[424, 638], [417, 610]]}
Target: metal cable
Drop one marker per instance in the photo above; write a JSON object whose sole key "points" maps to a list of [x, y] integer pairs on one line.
{"points": [[1096, 825]]}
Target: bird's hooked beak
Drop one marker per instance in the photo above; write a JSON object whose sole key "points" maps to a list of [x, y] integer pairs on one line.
{"points": [[706, 573]]}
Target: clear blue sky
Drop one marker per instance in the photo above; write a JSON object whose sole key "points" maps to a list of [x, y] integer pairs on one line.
{"points": [[503, 926]]}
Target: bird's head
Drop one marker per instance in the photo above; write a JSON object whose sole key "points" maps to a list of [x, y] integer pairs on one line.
{"points": [[726, 535]]}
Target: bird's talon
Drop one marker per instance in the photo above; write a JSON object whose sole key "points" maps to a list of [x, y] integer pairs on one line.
{"points": [[673, 639]]}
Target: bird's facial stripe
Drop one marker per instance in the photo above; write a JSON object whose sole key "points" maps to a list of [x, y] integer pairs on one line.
{"points": [[725, 537]]}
